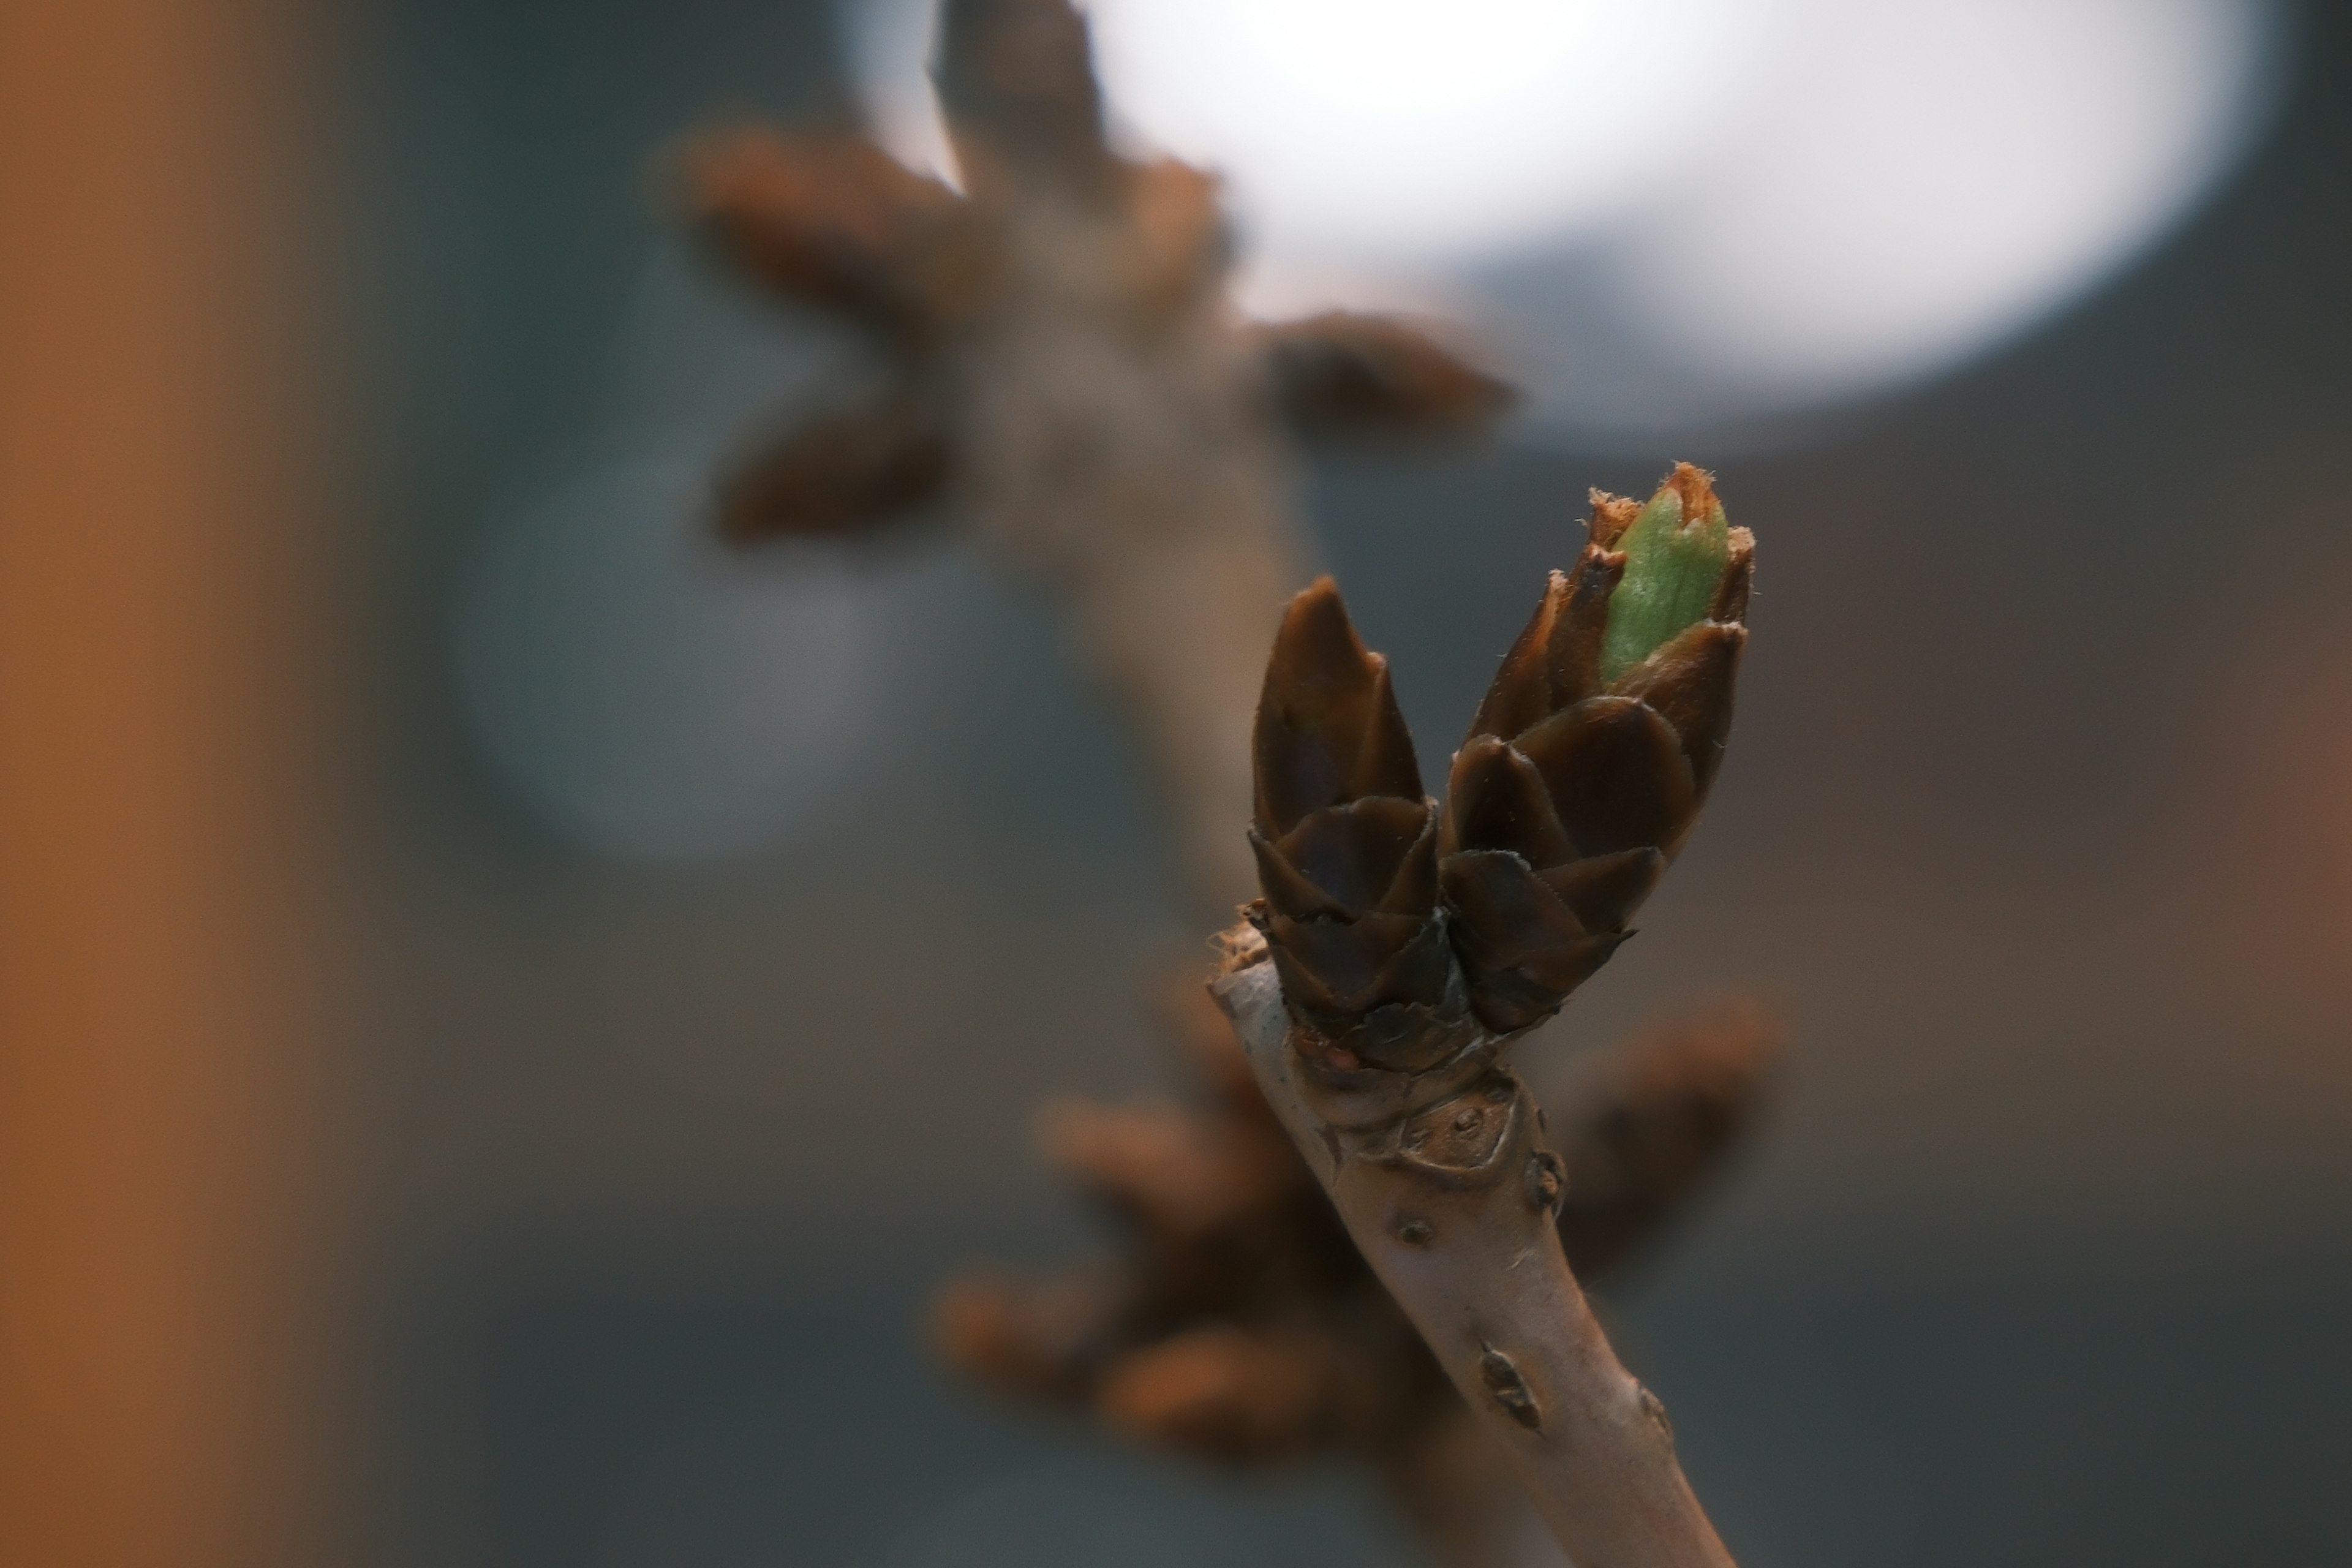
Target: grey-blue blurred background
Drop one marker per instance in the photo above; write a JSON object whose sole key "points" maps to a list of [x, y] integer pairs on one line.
{"points": [[707, 1035]]}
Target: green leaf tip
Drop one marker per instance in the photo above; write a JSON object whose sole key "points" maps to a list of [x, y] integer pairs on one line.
{"points": [[1677, 549]]}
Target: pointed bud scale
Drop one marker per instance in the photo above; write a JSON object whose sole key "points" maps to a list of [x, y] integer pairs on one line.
{"points": [[1347, 847], [1688, 683], [1603, 890], [1616, 774], [1342, 373], [1328, 731], [1500, 800], [1521, 693], [1594, 748]]}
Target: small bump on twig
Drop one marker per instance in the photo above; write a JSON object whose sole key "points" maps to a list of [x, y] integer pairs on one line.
{"points": [[1547, 1178], [1510, 1386]]}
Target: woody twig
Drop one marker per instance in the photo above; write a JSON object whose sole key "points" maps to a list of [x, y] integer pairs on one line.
{"points": [[1238, 1324], [1061, 365], [1400, 951]]}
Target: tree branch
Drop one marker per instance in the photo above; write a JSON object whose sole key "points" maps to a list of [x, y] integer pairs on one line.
{"points": [[1239, 1324], [1443, 1180], [1400, 948]]}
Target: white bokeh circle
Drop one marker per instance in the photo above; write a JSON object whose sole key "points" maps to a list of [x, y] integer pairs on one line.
{"points": [[1672, 212]]}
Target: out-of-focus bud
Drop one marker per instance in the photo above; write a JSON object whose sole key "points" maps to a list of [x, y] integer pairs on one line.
{"points": [[835, 222], [1594, 748], [1342, 373], [1656, 1124], [1222, 1391], [852, 469], [1346, 848]]}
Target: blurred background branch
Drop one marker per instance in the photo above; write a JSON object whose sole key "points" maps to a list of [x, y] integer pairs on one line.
{"points": [[1065, 367]]}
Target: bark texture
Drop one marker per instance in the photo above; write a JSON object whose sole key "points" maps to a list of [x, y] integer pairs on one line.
{"points": [[1444, 1185]]}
